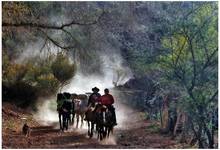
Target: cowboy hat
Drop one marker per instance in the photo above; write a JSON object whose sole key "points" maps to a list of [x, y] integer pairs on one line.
{"points": [[95, 89]]}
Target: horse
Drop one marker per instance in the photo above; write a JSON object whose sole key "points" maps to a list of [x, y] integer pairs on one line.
{"points": [[72, 118], [104, 122], [99, 121], [91, 119], [108, 123], [80, 108], [102, 118], [64, 118], [64, 109]]}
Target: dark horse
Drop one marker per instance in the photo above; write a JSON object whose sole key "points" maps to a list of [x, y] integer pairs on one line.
{"points": [[108, 122], [102, 118], [64, 108]]}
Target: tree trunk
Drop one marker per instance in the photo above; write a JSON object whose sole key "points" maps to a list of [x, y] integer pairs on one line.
{"points": [[199, 136], [197, 133], [165, 119], [184, 129], [209, 135], [178, 122]]}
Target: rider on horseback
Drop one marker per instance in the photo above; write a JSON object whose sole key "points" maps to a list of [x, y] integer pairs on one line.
{"points": [[93, 99], [107, 100]]}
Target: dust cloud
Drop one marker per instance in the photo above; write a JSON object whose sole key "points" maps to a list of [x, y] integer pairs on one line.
{"points": [[115, 73]]}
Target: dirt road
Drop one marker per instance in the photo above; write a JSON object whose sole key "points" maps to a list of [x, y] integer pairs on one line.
{"points": [[141, 136], [130, 133]]}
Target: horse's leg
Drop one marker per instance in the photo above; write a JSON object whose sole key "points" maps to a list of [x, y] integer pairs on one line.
{"points": [[111, 130], [91, 135], [104, 131], [59, 115], [88, 128], [82, 118], [70, 119], [96, 128], [73, 118], [98, 135], [63, 119], [77, 120], [108, 132], [98, 132], [101, 132], [67, 121]]}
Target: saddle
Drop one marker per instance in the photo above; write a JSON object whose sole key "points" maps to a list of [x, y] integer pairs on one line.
{"points": [[91, 109]]}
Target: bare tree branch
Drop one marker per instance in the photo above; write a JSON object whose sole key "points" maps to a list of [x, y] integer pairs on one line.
{"points": [[209, 59], [180, 51], [55, 42], [45, 42], [47, 26], [213, 96], [194, 64]]}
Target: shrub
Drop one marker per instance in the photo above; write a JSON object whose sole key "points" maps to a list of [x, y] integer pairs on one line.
{"points": [[62, 68]]}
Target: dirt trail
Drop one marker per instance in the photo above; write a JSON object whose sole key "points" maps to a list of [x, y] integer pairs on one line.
{"points": [[136, 134], [49, 137]]}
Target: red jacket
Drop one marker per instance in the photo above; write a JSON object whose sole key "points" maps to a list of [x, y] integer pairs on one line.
{"points": [[106, 99]]}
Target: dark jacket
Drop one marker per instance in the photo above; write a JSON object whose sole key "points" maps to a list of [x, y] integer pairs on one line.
{"points": [[93, 98]]}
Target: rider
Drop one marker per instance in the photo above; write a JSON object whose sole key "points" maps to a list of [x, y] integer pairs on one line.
{"points": [[93, 98], [107, 100]]}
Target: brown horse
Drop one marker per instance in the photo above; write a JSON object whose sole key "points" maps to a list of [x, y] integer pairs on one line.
{"points": [[91, 119]]}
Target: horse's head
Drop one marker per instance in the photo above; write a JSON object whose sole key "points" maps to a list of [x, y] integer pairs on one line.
{"points": [[77, 103], [98, 107], [73, 96]]}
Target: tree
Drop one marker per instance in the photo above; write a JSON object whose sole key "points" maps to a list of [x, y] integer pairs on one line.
{"points": [[22, 15], [191, 61], [63, 69]]}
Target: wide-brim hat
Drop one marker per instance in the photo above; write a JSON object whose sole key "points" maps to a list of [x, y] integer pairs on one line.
{"points": [[95, 89]]}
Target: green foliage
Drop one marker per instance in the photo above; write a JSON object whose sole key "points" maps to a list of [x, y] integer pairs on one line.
{"points": [[153, 128], [140, 61], [62, 69], [47, 83], [192, 51], [35, 78], [191, 60], [14, 73]]}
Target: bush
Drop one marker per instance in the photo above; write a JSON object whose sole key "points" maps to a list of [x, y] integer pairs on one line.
{"points": [[24, 83], [62, 68], [47, 84], [14, 73]]}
